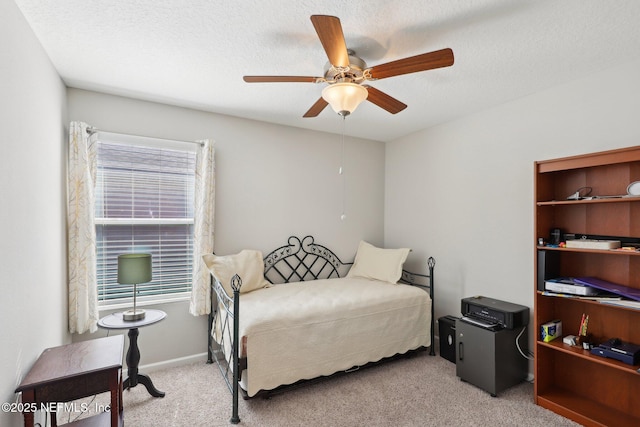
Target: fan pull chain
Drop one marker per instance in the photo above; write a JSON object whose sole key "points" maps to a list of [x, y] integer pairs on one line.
{"points": [[344, 178]]}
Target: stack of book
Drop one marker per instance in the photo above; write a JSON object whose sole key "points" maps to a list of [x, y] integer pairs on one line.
{"points": [[593, 288]]}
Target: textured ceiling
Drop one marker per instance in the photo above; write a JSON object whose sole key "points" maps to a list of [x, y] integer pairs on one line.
{"points": [[194, 53]]}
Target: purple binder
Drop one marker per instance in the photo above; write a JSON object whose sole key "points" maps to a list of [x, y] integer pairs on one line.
{"points": [[621, 290]]}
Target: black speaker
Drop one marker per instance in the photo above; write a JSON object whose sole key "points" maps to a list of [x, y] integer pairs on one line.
{"points": [[548, 266], [447, 332]]}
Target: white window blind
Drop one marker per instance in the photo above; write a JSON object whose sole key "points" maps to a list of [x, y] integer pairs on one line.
{"points": [[144, 203]]}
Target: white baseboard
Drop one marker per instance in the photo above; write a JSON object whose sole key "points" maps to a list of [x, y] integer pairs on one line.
{"points": [[172, 363]]}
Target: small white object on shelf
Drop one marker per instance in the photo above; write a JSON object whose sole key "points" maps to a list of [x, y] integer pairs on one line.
{"points": [[633, 189], [593, 244]]}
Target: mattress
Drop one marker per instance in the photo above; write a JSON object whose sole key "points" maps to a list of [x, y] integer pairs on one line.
{"points": [[304, 330]]}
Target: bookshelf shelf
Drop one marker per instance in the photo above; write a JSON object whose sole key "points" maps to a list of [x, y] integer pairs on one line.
{"points": [[585, 411], [592, 251], [621, 199], [576, 351]]}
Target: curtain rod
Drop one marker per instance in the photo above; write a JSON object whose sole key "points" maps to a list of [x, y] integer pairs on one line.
{"points": [[91, 130]]}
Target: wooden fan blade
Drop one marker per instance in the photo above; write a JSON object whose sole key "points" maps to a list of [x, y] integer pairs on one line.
{"points": [[384, 101], [280, 79], [330, 33], [316, 108], [413, 64]]}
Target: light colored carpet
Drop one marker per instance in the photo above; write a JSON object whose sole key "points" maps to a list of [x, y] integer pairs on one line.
{"points": [[419, 391]]}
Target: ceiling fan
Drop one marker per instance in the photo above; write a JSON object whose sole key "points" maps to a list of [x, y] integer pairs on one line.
{"points": [[347, 71]]}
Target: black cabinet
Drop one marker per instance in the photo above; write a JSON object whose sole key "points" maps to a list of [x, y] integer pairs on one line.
{"points": [[490, 359]]}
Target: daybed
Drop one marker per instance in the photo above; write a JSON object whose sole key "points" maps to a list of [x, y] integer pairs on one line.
{"points": [[301, 313]]}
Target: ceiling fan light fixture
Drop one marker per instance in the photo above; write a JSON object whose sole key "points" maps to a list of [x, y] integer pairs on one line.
{"points": [[344, 97]]}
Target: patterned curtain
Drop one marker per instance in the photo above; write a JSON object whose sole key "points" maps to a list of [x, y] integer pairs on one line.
{"points": [[203, 228], [81, 175]]}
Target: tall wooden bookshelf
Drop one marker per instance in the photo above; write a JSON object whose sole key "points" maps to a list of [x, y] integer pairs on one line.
{"points": [[569, 380]]}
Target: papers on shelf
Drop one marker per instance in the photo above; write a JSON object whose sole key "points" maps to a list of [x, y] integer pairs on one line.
{"points": [[608, 292], [623, 303], [600, 298]]}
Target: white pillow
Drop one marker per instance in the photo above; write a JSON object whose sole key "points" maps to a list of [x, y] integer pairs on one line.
{"points": [[248, 264], [379, 264]]}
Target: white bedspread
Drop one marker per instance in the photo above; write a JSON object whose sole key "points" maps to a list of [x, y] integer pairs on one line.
{"points": [[308, 329]]}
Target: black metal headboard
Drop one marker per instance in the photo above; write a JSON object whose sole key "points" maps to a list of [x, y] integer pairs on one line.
{"points": [[302, 260]]}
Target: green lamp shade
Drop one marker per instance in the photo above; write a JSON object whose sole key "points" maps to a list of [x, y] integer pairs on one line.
{"points": [[134, 268]]}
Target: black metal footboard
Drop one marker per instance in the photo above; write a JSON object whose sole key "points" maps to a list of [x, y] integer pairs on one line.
{"points": [[225, 318]]}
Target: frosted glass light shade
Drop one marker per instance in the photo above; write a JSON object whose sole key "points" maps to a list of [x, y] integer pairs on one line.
{"points": [[134, 268], [344, 98]]}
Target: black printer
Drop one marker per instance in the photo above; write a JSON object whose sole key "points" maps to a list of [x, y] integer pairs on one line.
{"points": [[494, 314]]}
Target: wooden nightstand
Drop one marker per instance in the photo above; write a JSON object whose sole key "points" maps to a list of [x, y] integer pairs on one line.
{"points": [[75, 371]]}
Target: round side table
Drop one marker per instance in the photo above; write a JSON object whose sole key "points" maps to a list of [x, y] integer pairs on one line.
{"points": [[116, 321]]}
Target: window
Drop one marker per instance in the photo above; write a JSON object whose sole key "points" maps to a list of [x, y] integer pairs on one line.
{"points": [[144, 203]]}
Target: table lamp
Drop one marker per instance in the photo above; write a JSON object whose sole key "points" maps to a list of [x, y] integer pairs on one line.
{"points": [[134, 269]]}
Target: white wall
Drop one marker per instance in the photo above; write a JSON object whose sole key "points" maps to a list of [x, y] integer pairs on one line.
{"points": [[463, 191], [32, 207], [271, 182]]}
